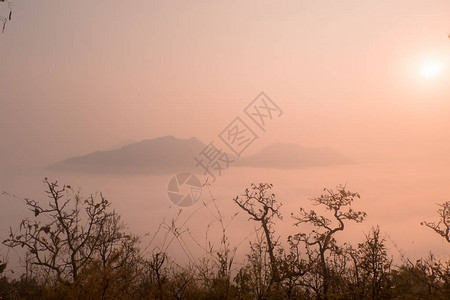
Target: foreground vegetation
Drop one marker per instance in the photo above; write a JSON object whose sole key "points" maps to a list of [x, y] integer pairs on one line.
{"points": [[78, 248]]}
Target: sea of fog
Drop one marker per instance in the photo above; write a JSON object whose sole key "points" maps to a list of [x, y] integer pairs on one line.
{"points": [[397, 197]]}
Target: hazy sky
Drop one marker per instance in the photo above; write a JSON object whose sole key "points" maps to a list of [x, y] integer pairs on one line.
{"points": [[369, 78]]}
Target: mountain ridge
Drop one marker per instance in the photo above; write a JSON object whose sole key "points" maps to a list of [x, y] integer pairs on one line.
{"points": [[168, 155]]}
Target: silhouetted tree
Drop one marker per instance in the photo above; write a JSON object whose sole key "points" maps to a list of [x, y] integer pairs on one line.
{"points": [[321, 240], [442, 227], [76, 248], [65, 236], [262, 207], [375, 263], [427, 278]]}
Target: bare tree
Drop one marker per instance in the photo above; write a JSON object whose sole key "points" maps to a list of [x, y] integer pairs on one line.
{"points": [[442, 227], [263, 207], [374, 262], [321, 239], [65, 236]]}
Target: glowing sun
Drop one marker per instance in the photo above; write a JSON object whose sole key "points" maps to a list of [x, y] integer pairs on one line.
{"points": [[431, 69]]}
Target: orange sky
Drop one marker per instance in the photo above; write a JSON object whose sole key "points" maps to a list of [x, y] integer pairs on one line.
{"points": [[81, 76]]}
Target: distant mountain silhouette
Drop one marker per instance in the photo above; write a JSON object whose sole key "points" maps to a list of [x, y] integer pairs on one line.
{"points": [[169, 155], [293, 156], [164, 155]]}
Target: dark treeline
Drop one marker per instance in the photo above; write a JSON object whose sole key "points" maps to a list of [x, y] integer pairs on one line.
{"points": [[78, 248]]}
